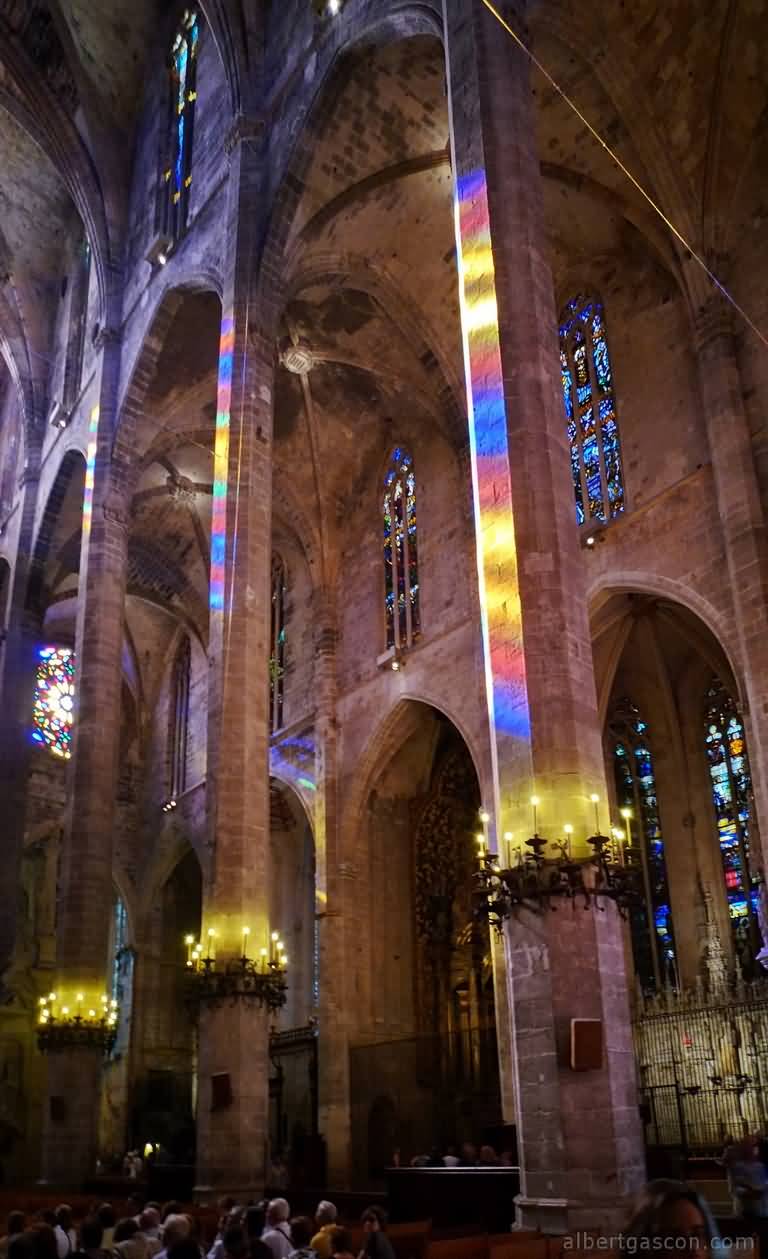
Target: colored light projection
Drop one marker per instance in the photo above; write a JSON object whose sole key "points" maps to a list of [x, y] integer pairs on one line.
{"points": [[494, 528], [183, 59], [90, 471], [221, 466], [401, 563], [590, 412], [54, 705], [636, 790], [731, 791]]}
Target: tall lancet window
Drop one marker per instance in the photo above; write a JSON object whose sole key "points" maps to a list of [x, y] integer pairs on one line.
{"points": [[731, 784], [277, 646], [401, 558], [177, 175], [590, 412], [653, 940], [178, 736]]}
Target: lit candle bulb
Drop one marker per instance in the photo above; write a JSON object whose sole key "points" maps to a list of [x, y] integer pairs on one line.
{"points": [[485, 817], [263, 956], [91, 1014], [190, 943], [508, 837], [51, 996], [273, 945], [596, 802], [246, 933], [568, 831], [535, 806], [65, 1010], [481, 850], [211, 944], [79, 1004]]}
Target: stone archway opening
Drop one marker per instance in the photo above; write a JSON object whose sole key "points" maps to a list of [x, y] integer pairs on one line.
{"points": [[426, 1032]]}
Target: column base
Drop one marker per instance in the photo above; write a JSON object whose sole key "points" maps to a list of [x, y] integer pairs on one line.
{"points": [[568, 1216]]}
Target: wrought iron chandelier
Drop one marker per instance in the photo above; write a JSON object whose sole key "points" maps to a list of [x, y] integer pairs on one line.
{"points": [[535, 880], [61, 1027], [261, 980]]}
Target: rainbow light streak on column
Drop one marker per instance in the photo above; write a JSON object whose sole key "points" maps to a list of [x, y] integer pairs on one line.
{"points": [[221, 466], [494, 525], [90, 470]]}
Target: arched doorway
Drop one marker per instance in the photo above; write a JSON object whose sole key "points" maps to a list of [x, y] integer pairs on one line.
{"points": [[677, 764], [293, 1044], [166, 1055], [424, 1062]]}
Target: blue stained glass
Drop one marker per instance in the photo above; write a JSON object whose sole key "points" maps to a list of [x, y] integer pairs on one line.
{"points": [[401, 588], [576, 472], [731, 786], [636, 790], [179, 168], [585, 367]]}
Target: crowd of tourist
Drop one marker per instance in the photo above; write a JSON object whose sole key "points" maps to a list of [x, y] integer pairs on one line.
{"points": [[468, 1156], [264, 1230]]}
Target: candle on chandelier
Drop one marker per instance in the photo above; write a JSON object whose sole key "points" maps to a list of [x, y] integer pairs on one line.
{"points": [[246, 933], [596, 802], [568, 831], [508, 837], [79, 1004], [211, 944], [274, 939], [535, 802], [481, 841], [263, 959], [190, 943]]}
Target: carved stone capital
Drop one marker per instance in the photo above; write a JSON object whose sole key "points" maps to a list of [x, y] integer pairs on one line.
{"points": [[714, 321], [106, 336], [244, 129]]}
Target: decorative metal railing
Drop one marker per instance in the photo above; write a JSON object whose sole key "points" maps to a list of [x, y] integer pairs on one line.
{"points": [[702, 1060]]}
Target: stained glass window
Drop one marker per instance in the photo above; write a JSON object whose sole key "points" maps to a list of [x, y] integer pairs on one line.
{"points": [[179, 723], [590, 412], [653, 940], [277, 647], [401, 561], [731, 794], [54, 700], [121, 973], [178, 173]]}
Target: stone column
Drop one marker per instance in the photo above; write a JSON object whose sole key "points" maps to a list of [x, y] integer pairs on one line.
{"points": [[17, 683], [232, 1118], [333, 1048], [742, 521], [70, 1124], [579, 1135]]}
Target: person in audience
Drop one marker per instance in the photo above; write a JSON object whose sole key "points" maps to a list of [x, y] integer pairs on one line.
{"points": [[17, 1222], [326, 1216], [107, 1219], [173, 1208], [276, 1235], [302, 1229], [451, 1159], [66, 1240], [468, 1154], [669, 1217], [91, 1238], [255, 1217], [748, 1180], [149, 1225], [233, 1244], [488, 1157], [20, 1247], [176, 1229], [134, 1205], [42, 1239], [187, 1248], [377, 1244], [341, 1244], [129, 1241]]}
